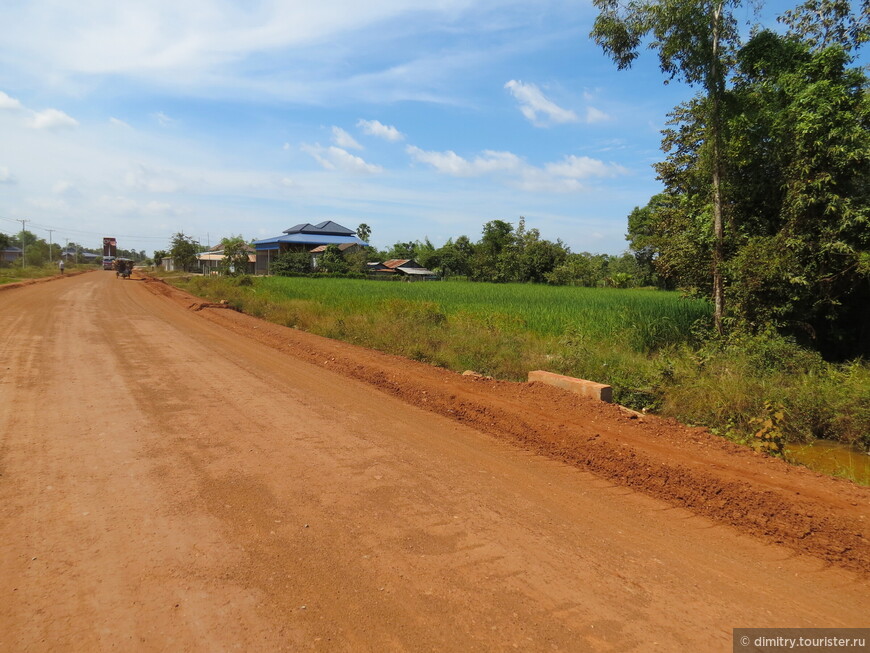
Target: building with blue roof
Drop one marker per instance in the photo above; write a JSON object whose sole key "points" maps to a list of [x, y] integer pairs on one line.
{"points": [[304, 238]]}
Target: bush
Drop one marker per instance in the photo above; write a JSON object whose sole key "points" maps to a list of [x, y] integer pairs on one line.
{"points": [[290, 263]]}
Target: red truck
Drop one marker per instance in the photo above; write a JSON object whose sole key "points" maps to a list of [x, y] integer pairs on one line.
{"points": [[110, 251]]}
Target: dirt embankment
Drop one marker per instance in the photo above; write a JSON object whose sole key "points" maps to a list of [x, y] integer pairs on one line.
{"points": [[686, 467], [30, 282]]}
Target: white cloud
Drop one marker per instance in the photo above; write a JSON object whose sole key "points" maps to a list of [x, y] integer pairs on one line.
{"points": [[376, 128], [533, 102], [344, 140], [159, 208], [52, 119], [564, 176], [452, 164], [9, 103], [162, 118], [594, 115], [117, 122], [335, 158], [49, 203], [120, 204], [64, 187], [150, 180], [535, 180], [7, 177], [584, 167]]}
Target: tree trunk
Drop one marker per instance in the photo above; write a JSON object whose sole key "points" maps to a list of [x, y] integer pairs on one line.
{"points": [[714, 87]]}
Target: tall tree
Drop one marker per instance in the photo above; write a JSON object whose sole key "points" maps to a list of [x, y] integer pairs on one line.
{"points": [[694, 41], [364, 232], [804, 130]]}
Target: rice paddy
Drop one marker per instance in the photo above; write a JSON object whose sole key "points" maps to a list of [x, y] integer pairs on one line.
{"points": [[647, 319]]}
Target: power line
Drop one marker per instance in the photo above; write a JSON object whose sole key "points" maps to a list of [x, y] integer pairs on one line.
{"points": [[42, 227]]}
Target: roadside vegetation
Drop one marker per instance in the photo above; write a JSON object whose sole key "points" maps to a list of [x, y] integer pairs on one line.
{"points": [[15, 273], [652, 346]]}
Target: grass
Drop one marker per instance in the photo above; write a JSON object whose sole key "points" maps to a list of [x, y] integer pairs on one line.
{"points": [[639, 341], [14, 273]]}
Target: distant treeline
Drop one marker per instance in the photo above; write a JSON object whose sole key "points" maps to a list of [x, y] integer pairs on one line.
{"points": [[508, 254], [38, 251]]}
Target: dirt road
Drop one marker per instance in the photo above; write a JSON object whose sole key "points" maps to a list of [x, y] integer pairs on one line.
{"points": [[177, 479]]}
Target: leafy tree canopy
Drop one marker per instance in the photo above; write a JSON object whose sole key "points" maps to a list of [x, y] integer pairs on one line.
{"points": [[184, 250]]}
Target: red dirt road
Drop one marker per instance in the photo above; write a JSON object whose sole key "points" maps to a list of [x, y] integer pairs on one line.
{"points": [[199, 480]]}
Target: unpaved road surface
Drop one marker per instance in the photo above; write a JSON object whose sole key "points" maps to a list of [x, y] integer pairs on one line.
{"points": [[174, 479]]}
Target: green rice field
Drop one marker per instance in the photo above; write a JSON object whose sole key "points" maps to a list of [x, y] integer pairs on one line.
{"points": [[644, 319]]}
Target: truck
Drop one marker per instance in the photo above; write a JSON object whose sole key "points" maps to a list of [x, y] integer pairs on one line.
{"points": [[110, 251]]}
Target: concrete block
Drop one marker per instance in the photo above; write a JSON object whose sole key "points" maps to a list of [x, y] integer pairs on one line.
{"points": [[580, 386]]}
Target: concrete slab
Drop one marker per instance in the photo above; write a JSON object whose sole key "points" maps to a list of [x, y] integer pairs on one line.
{"points": [[580, 386]]}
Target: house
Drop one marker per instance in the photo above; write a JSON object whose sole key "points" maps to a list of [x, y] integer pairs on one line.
{"points": [[211, 260], [10, 254], [303, 238], [78, 256], [405, 267]]}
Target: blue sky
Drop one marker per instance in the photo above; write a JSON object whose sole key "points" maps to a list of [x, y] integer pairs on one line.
{"points": [[216, 118]]}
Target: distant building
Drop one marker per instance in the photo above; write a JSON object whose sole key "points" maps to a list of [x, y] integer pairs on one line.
{"points": [[10, 254], [210, 261], [405, 267], [304, 238], [75, 255]]}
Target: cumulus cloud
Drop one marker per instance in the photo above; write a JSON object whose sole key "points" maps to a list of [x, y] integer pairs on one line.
{"points": [[537, 107], [450, 163], [342, 139], [376, 128], [584, 167], [335, 158], [566, 175], [9, 103], [52, 119]]}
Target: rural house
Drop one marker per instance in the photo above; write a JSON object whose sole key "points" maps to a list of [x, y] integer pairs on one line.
{"points": [[10, 254], [404, 267], [304, 238], [210, 260]]}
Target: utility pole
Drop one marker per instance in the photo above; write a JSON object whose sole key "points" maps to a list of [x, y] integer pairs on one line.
{"points": [[22, 241], [50, 260]]}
